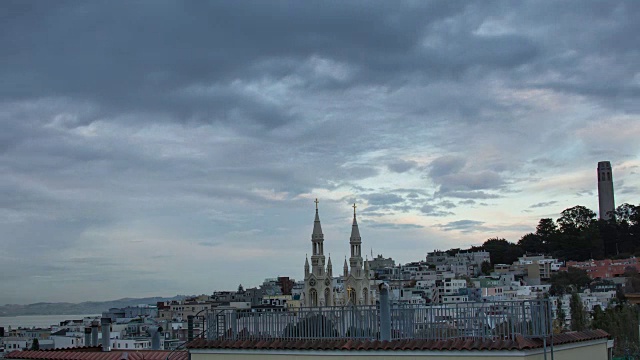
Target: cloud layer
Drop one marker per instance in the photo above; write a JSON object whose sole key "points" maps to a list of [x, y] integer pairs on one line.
{"points": [[154, 148]]}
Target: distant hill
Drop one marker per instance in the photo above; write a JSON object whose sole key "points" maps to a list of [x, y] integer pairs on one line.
{"points": [[87, 307]]}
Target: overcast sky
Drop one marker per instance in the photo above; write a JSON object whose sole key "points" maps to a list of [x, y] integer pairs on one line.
{"points": [[160, 147]]}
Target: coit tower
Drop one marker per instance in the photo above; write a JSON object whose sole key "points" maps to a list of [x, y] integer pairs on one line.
{"points": [[605, 190]]}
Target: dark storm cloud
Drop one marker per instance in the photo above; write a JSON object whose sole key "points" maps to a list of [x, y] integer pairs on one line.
{"points": [[184, 57], [447, 204], [165, 56], [194, 60], [457, 181], [585, 192], [472, 181], [467, 194], [438, 209], [383, 199], [543, 204], [606, 43], [400, 166], [433, 210], [446, 165], [462, 225], [410, 200], [629, 190], [209, 243], [393, 226]]}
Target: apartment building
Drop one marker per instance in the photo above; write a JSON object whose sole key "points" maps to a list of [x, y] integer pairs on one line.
{"points": [[604, 269], [465, 263]]}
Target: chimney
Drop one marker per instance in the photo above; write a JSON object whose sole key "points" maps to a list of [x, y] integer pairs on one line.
{"points": [[94, 333], [87, 336], [106, 333], [155, 331]]}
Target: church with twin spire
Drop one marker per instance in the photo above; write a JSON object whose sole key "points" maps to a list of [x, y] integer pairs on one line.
{"points": [[319, 287]]}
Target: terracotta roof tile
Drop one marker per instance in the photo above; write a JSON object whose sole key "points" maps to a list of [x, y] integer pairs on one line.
{"points": [[519, 343], [74, 349], [274, 345], [93, 355]]}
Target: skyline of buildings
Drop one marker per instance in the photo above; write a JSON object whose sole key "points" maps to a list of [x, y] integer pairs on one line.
{"points": [[322, 278], [440, 280]]}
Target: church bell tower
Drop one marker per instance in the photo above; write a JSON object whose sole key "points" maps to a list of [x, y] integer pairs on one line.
{"points": [[317, 280]]}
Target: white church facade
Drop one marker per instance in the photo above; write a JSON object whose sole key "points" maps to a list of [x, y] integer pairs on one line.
{"points": [[319, 286]]}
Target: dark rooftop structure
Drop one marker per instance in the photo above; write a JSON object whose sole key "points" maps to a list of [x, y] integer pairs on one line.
{"points": [[518, 343], [96, 353]]}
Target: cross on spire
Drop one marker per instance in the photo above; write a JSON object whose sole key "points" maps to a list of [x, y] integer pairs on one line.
{"points": [[316, 203], [354, 209]]}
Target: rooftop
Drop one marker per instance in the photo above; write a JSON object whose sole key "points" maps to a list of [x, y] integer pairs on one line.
{"points": [[96, 354], [346, 344]]}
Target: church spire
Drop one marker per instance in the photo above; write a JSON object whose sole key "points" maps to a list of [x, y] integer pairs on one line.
{"points": [[355, 232], [306, 265], [355, 243], [317, 243], [346, 268], [317, 228]]}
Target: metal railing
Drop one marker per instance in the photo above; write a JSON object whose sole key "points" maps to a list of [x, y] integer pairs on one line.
{"points": [[494, 320]]}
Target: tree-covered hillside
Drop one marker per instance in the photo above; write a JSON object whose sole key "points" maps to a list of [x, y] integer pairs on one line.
{"points": [[576, 235]]}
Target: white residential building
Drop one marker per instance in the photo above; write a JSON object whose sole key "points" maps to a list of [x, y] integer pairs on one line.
{"points": [[134, 344]]}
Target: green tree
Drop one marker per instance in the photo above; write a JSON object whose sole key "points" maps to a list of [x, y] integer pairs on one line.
{"points": [[627, 213], [576, 219], [633, 280], [573, 279], [578, 315], [486, 267], [548, 233], [453, 252], [610, 238], [579, 237], [623, 231], [621, 322], [560, 316], [35, 345], [501, 251], [532, 243]]}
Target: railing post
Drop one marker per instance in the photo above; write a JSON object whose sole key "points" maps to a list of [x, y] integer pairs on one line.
{"points": [[385, 313], [524, 316], [190, 328]]}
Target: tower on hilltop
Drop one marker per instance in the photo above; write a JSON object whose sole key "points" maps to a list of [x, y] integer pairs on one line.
{"points": [[605, 190]]}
